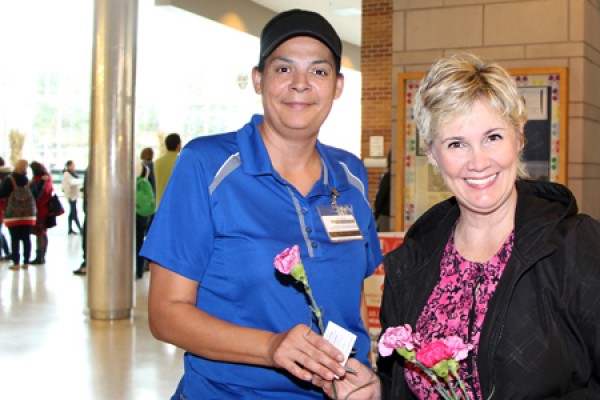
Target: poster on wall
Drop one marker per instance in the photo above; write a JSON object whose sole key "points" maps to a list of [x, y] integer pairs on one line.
{"points": [[419, 185], [374, 288]]}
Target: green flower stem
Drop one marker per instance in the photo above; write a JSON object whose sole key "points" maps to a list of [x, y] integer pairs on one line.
{"points": [[461, 384], [437, 384], [335, 395], [300, 275], [315, 308], [451, 386], [319, 315]]}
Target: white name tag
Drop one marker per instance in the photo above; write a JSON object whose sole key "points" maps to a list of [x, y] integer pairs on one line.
{"points": [[340, 223]]}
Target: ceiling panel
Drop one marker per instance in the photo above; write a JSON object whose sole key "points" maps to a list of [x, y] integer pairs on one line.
{"points": [[336, 12]]}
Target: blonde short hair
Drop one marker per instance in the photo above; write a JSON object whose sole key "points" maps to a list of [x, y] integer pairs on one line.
{"points": [[21, 166], [452, 86]]}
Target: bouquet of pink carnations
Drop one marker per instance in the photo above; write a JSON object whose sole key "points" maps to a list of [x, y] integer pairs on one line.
{"points": [[439, 360]]}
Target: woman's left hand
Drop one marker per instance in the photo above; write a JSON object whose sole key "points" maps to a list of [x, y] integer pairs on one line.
{"points": [[362, 384]]}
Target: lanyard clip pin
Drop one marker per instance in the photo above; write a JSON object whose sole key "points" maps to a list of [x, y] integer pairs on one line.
{"points": [[334, 195]]}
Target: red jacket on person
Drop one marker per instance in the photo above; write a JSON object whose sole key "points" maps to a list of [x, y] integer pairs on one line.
{"points": [[42, 191]]}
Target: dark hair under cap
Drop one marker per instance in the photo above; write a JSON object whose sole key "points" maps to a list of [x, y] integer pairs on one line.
{"points": [[298, 22]]}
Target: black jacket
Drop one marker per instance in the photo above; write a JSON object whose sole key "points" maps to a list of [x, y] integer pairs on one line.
{"points": [[382, 197], [541, 336]]}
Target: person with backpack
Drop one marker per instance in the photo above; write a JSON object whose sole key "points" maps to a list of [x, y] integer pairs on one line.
{"points": [[145, 204], [19, 212]]}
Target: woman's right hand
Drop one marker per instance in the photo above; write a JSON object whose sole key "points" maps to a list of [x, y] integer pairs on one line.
{"points": [[306, 354]]}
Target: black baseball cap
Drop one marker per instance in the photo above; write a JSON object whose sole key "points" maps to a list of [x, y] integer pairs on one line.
{"points": [[298, 22]]}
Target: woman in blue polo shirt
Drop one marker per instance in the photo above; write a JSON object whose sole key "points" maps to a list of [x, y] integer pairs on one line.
{"points": [[235, 201]]}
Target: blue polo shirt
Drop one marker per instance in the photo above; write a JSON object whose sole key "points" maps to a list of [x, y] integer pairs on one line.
{"points": [[225, 215]]}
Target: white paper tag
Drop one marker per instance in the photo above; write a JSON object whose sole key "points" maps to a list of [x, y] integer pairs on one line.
{"points": [[341, 338], [339, 222]]}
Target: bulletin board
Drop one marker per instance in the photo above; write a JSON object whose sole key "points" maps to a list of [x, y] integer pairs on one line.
{"points": [[418, 184]]}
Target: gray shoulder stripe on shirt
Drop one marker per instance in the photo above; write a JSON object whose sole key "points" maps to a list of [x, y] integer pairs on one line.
{"points": [[228, 166], [354, 181]]}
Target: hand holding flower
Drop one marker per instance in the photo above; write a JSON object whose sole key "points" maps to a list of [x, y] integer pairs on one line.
{"points": [[288, 262], [305, 354], [361, 384]]}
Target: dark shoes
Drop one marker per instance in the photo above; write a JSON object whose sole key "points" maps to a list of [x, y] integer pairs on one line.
{"points": [[81, 270], [73, 233]]}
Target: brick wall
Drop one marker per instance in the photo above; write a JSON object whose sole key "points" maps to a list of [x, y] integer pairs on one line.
{"points": [[376, 66]]}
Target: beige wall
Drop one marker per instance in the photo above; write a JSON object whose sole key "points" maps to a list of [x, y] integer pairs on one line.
{"points": [[518, 33]]}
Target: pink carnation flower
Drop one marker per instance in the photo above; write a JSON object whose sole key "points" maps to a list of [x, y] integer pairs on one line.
{"points": [[287, 259], [459, 349], [396, 338], [433, 353]]}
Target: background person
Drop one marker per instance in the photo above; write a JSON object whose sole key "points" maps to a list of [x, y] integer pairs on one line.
{"points": [[71, 185], [233, 203], [163, 166], [82, 270], [382, 198], [41, 187], [145, 206], [19, 226], [4, 171], [147, 157], [507, 264]]}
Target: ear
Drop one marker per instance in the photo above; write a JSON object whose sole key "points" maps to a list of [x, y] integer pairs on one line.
{"points": [[521, 136], [339, 86], [256, 80], [431, 157]]}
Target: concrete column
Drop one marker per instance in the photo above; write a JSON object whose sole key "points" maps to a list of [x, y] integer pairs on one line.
{"points": [[110, 210]]}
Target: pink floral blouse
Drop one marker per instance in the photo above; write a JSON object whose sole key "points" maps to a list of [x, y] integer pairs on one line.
{"points": [[457, 306]]}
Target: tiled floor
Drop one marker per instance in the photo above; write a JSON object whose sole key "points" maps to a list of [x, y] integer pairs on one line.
{"points": [[50, 349]]}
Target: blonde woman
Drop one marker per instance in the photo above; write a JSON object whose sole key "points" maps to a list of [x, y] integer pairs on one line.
{"points": [[507, 264]]}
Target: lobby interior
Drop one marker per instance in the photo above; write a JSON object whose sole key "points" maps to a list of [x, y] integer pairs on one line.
{"points": [[50, 346]]}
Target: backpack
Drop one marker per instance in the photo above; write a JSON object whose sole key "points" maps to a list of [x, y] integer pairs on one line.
{"points": [[145, 202], [20, 206]]}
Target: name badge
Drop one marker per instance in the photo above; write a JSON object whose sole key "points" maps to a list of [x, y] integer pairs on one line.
{"points": [[340, 223]]}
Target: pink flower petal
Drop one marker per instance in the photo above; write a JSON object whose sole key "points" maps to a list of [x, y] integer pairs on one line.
{"points": [[287, 259], [433, 353], [396, 338]]}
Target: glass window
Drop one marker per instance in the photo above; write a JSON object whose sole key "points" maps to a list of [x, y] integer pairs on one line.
{"points": [[185, 82]]}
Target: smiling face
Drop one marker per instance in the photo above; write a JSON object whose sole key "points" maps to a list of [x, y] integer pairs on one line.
{"points": [[298, 85], [477, 154]]}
